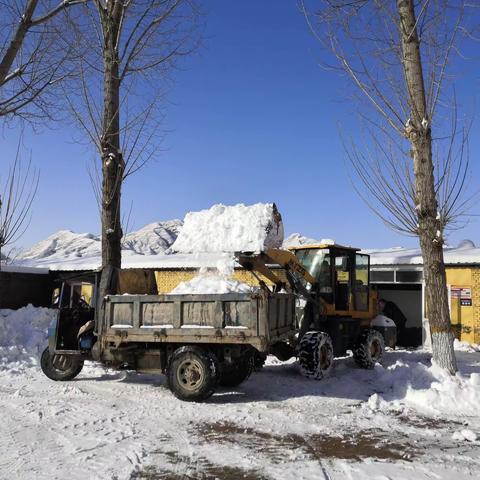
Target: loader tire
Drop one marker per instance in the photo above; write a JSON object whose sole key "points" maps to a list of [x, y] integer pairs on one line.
{"points": [[369, 349], [236, 373], [60, 368], [193, 373], [315, 355]]}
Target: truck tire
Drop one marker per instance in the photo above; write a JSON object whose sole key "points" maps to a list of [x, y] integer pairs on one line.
{"points": [[193, 373], [370, 348], [315, 355], [60, 368], [236, 373]]}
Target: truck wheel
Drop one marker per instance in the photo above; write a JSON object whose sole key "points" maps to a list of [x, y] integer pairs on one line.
{"points": [[60, 367], [369, 349], [193, 373], [315, 356], [236, 373]]}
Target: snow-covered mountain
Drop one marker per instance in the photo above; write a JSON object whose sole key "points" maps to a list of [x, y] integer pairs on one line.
{"points": [[297, 239], [153, 239], [66, 244]]}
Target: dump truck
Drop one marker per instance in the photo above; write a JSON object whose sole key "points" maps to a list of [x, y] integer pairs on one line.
{"points": [[202, 341]]}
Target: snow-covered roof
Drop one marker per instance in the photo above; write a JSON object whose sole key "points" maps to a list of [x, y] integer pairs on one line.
{"points": [[466, 253]]}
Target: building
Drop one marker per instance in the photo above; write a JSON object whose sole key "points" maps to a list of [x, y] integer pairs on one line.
{"points": [[398, 276]]}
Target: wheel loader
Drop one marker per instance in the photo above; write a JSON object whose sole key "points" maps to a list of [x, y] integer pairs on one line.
{"points": [[320, 307], [338, 307]]}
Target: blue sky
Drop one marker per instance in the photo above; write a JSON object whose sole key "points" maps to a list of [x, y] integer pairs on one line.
{"points": [[250, 118]]}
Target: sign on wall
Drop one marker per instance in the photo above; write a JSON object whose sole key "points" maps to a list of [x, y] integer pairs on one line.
{"points": [[464, 294]]}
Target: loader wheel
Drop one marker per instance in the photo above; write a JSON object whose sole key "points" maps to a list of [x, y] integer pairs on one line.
{"points": [[60, 368], [193, 373], [315, 355], [370, 348], [236, 373]]}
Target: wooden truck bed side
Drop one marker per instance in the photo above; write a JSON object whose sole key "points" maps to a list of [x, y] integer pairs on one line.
{"points": [[257, 319]]}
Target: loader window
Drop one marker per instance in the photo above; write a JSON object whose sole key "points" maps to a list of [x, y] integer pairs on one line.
{"points": [[342, 282], [317, 262], [360, 290]]}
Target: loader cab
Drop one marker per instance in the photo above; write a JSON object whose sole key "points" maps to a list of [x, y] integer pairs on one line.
{"points": [[342, 275]]}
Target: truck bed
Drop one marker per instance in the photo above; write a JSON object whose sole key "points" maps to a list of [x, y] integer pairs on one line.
{"points": [[258, 319]]}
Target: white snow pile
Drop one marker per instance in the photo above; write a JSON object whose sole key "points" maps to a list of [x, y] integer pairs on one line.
{"points": [[427, 389], [465, 346], [23, 335], [217, 280], [234, 228]]}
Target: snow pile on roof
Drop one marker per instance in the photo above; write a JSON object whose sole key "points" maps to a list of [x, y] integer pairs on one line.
{"points": [[234, 228], [426, 389], [23, 335], [213, 281]]}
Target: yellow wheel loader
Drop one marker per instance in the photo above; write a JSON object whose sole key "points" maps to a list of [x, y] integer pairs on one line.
{"points": [[337, 306]]}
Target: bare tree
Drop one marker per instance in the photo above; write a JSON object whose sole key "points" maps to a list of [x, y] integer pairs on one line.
{"points": [[32, 53], [397, 53], [16, 198], [136, 44]]}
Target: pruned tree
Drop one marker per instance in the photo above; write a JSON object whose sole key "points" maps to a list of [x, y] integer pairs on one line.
{"points": [[414, 166], [32, 54], [17, 193], [121, 81]]}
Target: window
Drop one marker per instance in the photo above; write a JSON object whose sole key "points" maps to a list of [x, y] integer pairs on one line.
{"points": [[382, 276], [409, 276], [317, 263], [360, 288]]}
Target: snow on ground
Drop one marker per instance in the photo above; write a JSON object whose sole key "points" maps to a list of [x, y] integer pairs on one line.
{"points": [[277, 425], [23, 333], [234, 228]]}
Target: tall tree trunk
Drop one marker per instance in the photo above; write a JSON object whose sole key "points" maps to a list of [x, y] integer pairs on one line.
{"points": [[430, 229], [17, 40], [112, 159]]}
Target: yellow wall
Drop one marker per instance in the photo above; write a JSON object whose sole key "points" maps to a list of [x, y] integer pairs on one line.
{"points": [[465, 319], [167, 280]]}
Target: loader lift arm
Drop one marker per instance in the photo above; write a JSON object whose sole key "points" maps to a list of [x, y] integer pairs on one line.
{"points": [[296, 273]]}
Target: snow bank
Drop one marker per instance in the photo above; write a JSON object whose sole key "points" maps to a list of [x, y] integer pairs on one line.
{"points": [[465, 346], [427, 389], [231, 228], [23, 335], [213, 281]]}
